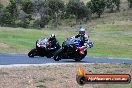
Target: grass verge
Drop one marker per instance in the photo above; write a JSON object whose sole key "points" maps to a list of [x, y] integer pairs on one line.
{"points": [[110, 40]]}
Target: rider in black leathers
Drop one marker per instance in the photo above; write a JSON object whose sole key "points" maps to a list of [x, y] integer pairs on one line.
{"points": [[53, 41]]}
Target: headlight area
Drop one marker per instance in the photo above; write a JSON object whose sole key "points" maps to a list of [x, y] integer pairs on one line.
{"points": [[38, 44], [42, 45]]}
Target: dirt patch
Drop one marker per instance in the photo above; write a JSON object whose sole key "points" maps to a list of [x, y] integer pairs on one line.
{"points": [[3, 45], [58, 76], [5, 48]]}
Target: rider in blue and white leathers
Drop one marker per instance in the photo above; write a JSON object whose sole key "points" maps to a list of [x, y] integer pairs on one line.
{"points": [[83, 38]]}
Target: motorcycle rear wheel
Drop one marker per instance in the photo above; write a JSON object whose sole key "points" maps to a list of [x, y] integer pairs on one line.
{"points": [[56, 58], [57, 55]]}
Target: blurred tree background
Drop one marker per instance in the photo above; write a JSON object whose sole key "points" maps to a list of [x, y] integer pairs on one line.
{"points": [[39, 13]]}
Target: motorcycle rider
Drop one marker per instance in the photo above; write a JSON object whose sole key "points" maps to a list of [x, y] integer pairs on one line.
{"points": [[83, 38], [53, 41]]}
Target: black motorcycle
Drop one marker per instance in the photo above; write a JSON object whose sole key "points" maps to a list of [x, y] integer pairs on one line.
{"points": [[71, 49], [44, 47]]}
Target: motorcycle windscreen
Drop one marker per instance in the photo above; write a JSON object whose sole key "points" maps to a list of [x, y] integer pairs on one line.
{"points": [[43, 42]]}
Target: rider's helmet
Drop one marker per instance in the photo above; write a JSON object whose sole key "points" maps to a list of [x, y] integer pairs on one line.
{"points": [[52, 35], [82, 31]]}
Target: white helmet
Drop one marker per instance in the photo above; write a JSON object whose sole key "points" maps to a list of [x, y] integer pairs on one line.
{"points": [[82, 31], [52, 35]]}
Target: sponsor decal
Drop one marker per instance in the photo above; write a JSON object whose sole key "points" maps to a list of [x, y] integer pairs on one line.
{"points": [[84, 78]]}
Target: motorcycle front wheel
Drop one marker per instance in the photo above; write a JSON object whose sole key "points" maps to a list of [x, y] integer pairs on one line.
{"points": [[32, 53], [80, 57]]}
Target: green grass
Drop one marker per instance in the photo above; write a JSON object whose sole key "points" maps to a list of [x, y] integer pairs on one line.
{"points": [[22, 40], [110, 40], [112, 35]]}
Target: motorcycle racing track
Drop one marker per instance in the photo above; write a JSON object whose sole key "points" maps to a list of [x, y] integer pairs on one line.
{"points": [[14, 59]]}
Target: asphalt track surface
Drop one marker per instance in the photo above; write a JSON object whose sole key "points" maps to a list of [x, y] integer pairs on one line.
{"points": [[14, 59]]}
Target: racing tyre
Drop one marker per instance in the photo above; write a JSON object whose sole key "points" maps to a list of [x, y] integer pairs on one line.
{"points": [[81, 57], [78, 60], [49, 56], [32, 53], [57, 55], [56, 58]]}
